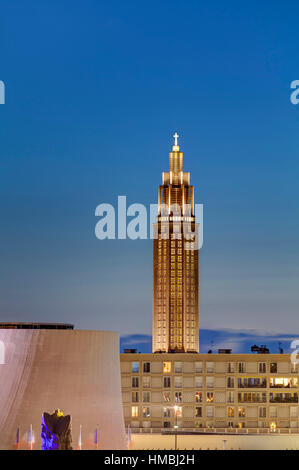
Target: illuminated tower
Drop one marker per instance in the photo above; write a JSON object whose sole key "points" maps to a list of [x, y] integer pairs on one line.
{"points": [[175, 276]]}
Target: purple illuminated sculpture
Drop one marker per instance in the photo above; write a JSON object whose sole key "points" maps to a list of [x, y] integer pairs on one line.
{"points": [[56, 431]]}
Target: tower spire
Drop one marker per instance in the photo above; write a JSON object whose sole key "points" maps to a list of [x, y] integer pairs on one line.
{"points": [[175, 147]]}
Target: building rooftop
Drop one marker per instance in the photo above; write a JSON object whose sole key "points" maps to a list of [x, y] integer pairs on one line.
{"points": [[36, 326]]}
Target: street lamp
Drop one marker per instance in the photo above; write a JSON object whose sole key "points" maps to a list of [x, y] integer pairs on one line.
{"points": [[176, 427]]}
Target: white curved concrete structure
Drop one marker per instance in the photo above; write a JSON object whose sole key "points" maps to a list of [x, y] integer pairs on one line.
{"points": [[77, 371]]}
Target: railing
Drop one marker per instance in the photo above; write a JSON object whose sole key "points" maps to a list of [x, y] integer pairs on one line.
{"points": [[283, 386], [284, 400], [251, 386], [252, 401], [219, 431]]}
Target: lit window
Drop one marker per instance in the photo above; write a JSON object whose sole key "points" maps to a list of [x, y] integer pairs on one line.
{"points": [[178, 397], [134, 411], [283, 382], [241, 412], [230, 412], [166, 397], [210, 397], [198, 412], [166, 367], [198, 397], [146, 412]]}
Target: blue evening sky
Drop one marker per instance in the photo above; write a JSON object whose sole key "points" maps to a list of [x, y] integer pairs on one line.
{"points": [[94, 92]]}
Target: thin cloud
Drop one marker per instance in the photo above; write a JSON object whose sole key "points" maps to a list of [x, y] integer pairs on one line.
{"points": [[240, 341]]}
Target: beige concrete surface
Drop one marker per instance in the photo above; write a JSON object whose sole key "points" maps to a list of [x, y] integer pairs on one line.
{"points": [[77, 371]]}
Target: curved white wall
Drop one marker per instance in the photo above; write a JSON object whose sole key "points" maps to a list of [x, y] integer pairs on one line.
{"points": [[77, 371]]}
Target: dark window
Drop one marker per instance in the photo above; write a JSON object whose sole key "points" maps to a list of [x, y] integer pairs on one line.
{"points": [[230, 382], [135, 382], [262, 367], [166, 382]]}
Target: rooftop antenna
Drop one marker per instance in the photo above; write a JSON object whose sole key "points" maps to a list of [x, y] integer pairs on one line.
{"points": [[280, 348]]}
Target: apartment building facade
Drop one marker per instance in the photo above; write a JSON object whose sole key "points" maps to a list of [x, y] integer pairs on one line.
{"points": [[209, 391]]}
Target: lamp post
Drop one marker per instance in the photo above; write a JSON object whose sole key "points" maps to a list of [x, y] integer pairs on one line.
{"points": [[176, 427]]}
